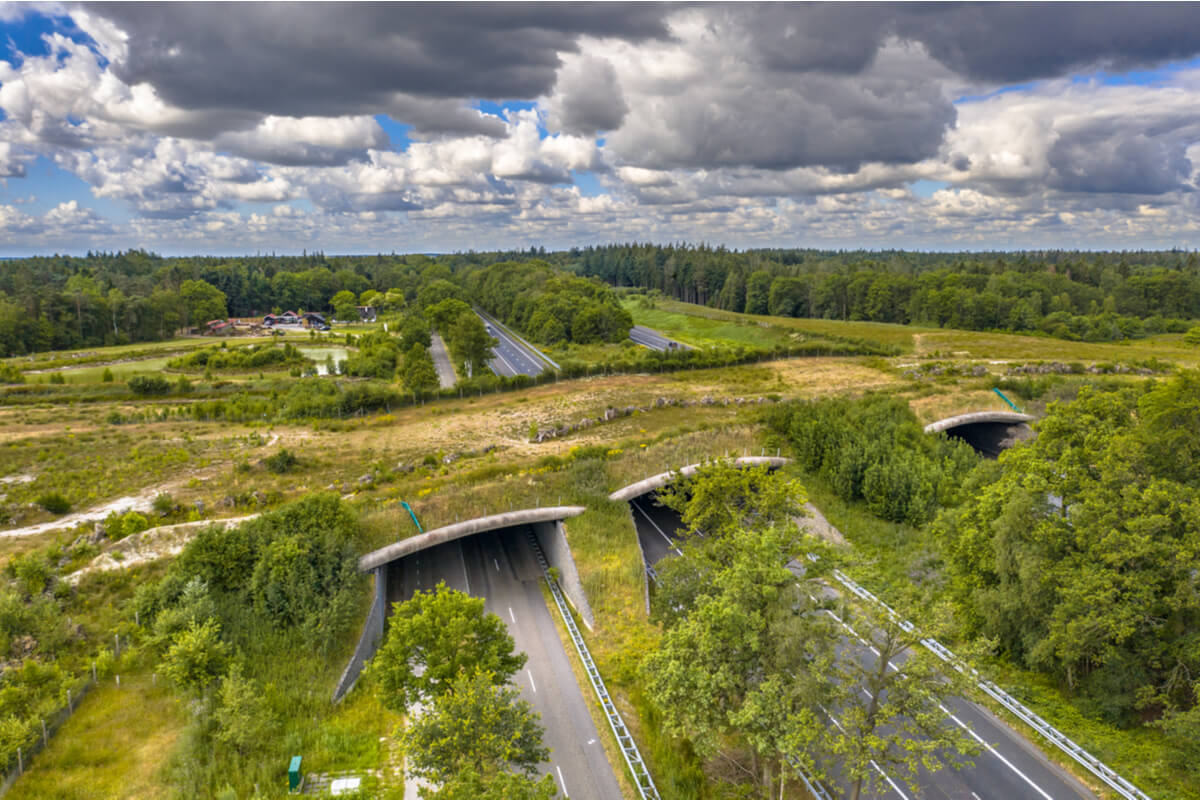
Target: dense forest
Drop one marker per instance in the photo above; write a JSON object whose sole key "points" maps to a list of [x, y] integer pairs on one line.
{"points": [[61, 302], [1070, 295]]}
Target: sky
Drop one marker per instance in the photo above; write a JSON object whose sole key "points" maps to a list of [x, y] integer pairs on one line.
{"points": [[239, 128]]}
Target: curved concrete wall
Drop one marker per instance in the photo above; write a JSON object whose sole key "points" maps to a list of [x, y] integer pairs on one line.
{"points": [[1007, 417], [448, 533], [662, 479]]}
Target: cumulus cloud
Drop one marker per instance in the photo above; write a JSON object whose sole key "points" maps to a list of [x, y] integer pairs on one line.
{"points": [[334, 59], [751, 124]]}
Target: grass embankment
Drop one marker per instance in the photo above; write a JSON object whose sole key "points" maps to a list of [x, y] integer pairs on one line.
{"points": [[701, 325], [113, 747]]}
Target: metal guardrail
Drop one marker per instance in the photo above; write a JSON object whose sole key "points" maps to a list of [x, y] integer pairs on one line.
{"points": [[1060, 740], [633, 757]]}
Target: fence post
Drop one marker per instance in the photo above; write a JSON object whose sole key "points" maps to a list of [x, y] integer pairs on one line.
{"points": [[20, 762], [45, 736], [69, 709]]}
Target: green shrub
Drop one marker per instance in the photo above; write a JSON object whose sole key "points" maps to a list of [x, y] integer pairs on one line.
{"points": [[163, 504], [282, 462], [107, 377], [10, 374], [148, 385], [54, 502]]}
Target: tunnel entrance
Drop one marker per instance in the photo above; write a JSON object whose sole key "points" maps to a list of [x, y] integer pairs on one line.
{"points": [[990, 439], [989, 432], [500, 565]]}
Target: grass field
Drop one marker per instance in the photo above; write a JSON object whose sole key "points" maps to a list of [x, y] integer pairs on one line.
{"points": [[702, 325], [113, 747]]}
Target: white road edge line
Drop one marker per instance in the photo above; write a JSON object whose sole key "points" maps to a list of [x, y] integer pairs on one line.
{"points": [[561, 782], [532, 685], [510, 615], [956, 720], [670, 541]]}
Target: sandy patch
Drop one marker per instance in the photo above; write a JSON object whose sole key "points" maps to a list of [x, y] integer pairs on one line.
{"points": [[142, 501], [150, 545], [816, 524]]}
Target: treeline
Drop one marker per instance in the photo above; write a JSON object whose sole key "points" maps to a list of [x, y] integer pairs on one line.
{"points": [[62, 302], [1088, 296]]}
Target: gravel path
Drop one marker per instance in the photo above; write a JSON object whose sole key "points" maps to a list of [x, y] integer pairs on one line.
{"points": [[441, 360]]}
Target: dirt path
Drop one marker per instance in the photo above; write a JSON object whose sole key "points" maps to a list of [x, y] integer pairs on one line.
{"points": [[441, 360], [142, 501], [150, 545]]}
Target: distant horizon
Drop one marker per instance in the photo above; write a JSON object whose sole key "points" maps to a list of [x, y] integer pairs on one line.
{"points": [[373, 254]]}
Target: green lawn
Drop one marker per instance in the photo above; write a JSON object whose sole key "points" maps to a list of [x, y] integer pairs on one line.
{"points": [[701, 325]]}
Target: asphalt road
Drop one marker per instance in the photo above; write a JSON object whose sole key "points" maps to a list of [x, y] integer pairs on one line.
{"points": [[501, 568], [441, 361], [511, 357], [1009, 767], [648, 337]]}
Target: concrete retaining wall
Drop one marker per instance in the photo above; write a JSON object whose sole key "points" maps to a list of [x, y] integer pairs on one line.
{"points": [[448, 533], [552, 536], [655, 482], [370, 638]]}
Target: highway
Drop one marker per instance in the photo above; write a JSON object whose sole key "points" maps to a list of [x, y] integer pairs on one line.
{"points": [[1008, 767], [648, 337], [511, 357], [501, 568]]}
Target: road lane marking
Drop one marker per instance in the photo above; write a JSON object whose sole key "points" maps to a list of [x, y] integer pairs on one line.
{"points": [[670, 541], [994, 752], [561, 782], [878, 769], [531, 683], [497, 563], [462, 556], [510, 615]]}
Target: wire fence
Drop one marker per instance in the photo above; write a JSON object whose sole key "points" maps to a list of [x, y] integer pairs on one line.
{"points": [[38, 735]]}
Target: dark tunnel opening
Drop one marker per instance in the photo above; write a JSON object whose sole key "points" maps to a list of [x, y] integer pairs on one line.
{"points": [[990, 439]]}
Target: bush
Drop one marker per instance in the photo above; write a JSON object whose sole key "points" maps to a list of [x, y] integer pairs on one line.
{"points": [[10, 374], [148, 385], [163, 504], [281, 462], [55, 503], [108, 376]]}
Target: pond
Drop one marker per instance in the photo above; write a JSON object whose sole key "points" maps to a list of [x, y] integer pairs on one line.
{"points": [[320, 354]]}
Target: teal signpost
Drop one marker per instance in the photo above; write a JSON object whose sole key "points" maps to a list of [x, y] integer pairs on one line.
{"points": [[294, 775], [408, 508]]}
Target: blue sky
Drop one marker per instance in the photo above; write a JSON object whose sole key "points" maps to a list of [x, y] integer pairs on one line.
{"points": [[218, 135]]}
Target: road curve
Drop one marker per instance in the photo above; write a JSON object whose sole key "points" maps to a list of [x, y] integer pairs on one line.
{"points": [[500, 567], [1009, 766]]}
